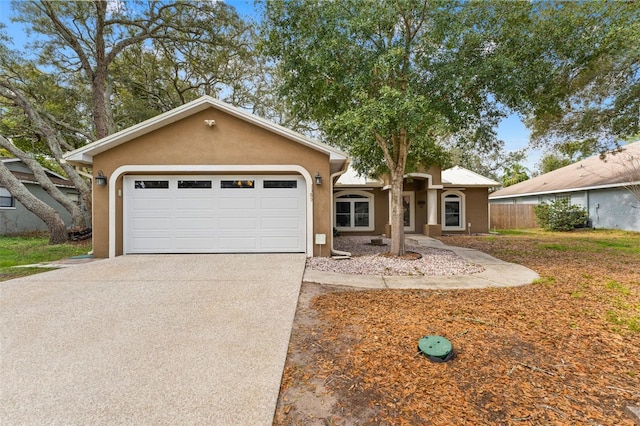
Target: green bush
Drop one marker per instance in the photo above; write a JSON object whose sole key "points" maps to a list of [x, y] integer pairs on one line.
{"points": [[560, 216]]}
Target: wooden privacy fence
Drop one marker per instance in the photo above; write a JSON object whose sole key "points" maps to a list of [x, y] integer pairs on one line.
{"points": [[511, 216]]}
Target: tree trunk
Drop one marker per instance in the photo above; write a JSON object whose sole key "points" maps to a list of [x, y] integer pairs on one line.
{"points": [[397, 214], [45, 183], [396, 160], [57, 228]]}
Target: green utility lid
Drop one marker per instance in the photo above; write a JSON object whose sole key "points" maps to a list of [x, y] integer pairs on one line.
{"points": [[436, 348]]}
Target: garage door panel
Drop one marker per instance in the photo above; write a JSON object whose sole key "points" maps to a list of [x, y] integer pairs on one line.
{"points": [[281, 223], [194, 244], [238, 223], [238, 244], [198, 224], [150, 244], [279, 203], [275, 242], [188, 216], [151, 223], [205, 204], [152, 203], [237, 204]]}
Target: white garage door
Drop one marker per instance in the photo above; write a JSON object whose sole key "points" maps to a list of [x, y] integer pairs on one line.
{"points": [[214, 214]]}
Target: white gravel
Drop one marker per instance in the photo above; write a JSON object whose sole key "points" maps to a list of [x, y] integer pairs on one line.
{"points": [[367, 260]]}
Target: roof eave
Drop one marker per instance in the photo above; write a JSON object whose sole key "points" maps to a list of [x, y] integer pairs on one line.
{"points": [[470, 185], [558, 191]]}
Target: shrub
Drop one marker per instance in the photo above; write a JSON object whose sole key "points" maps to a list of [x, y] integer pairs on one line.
{"points": [[560, 216]]}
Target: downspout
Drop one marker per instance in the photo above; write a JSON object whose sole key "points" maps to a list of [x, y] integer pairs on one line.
{"points": [[334, 177]]}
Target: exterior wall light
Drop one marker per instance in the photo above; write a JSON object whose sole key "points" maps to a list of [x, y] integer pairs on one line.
{"points": [[318, 179], [101, 179]]}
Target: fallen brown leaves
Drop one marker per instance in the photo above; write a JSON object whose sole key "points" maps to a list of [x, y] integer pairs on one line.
{"points": [[564, 350]]}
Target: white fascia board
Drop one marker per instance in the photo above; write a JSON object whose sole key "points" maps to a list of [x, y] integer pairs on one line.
{"points": [[559, 191], [476, 185], [356, 187]]}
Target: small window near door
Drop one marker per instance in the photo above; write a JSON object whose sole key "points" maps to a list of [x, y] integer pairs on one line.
{"points": [[151, 184], [279, 184], [237, 184], [194, 184]]}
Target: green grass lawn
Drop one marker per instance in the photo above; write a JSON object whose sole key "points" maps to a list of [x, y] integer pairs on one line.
{"points": [[581, 240], [16, 251]]}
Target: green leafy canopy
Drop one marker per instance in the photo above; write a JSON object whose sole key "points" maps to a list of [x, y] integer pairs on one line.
{"points": [[372, 72]]}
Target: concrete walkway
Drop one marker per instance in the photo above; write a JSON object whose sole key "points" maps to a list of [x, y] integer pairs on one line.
{"points": [[497, 273], [162, 340]]}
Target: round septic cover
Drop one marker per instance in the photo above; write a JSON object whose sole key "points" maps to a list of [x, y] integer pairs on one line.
{"points": [[436, 348]]}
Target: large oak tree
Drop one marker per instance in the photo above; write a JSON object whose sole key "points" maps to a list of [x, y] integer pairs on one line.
{"points": [[387, 80], [392, 81], [70, 89]]}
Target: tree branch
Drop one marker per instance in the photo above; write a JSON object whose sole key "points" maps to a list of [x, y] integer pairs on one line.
{"points": [[69, 37]]}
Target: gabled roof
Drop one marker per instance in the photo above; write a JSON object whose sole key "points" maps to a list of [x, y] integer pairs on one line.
{"points": [[615, 170], [85, 154], [459, 176], [26, 177], [352, 178]]}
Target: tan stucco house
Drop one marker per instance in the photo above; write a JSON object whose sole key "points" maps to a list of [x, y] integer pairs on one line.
{"points": [[436, 202], [207, 177]]}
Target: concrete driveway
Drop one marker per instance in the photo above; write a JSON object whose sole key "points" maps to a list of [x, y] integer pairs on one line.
{"points": [[161, 339]]}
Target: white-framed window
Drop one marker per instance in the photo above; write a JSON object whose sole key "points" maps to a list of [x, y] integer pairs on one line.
{"points": [[353, 211], [453, 208], [563, 197], [6, 199], [409, 210]]}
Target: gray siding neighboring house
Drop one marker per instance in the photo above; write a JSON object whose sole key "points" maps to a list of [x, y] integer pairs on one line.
{"points": [[601, 186], [14, 217]]}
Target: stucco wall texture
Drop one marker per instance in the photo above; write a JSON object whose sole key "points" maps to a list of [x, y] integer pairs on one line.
{"points": [[232, 141]]}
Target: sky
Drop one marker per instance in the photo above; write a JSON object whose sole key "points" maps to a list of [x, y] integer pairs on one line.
{"points": [[511, 130]]}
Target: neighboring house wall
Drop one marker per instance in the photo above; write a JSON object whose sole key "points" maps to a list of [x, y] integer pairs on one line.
{"points": [[610, 208], [595, 183], [614, 208], [18, 220]]}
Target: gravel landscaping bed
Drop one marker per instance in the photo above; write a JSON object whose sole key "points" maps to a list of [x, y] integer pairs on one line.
{"points": [[368, 259]]}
